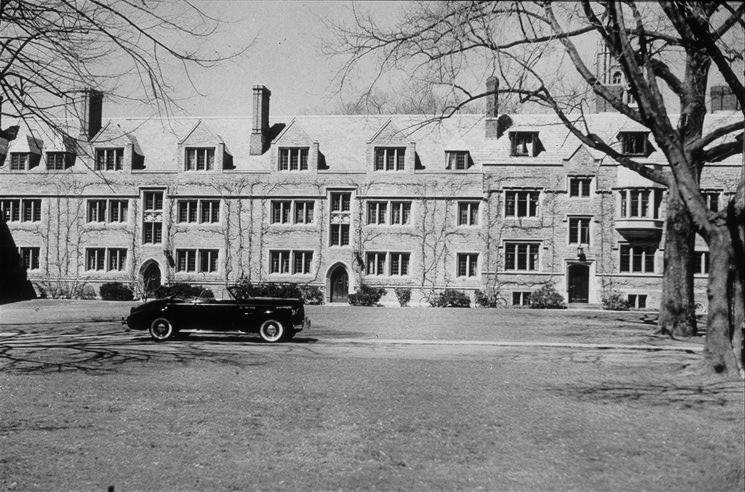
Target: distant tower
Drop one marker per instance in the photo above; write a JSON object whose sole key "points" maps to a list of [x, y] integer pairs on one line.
{"points": [[609, 73]]}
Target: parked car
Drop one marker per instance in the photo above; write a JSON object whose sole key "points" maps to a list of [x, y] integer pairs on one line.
{"points": [[274, 319]]}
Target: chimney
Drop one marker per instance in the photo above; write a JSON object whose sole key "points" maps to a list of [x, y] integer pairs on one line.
{"points": [[259, 142], [603, 106], [723, 99], [91, 112], [492, 107]]}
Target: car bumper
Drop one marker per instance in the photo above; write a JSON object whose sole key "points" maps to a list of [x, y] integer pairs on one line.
{"points": [[304, 326]]}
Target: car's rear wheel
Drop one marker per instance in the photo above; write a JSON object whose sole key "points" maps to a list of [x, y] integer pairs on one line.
{"points": [[272, 331], [161, 329]]}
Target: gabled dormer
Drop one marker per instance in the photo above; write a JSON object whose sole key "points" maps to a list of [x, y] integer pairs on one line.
{"points": [[293, 150], [635, 143], [202, 150], [388, 151], [525, 143], [24, 152], [115, 151], [457, 156]]}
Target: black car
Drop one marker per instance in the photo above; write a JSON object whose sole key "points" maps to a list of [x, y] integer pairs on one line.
{"points": [[274, 319]]}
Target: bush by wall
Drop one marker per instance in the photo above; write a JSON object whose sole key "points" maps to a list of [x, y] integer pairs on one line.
{"points": [[182, 290], [312, 294], [547, 297], [403, 294], [284, 290], [488, 301], [366, 296], [451, 298], [116, 291], [615, 301]]}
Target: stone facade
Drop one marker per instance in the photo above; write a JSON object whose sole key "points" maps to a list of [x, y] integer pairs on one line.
{"points": [[501, 204]]}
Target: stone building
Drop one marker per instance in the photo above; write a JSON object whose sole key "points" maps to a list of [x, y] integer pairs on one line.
{"points": [[495, 202]]}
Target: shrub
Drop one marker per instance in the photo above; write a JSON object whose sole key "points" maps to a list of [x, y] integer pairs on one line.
{"points": [[246, 290], [88, 292], [116, 291], [452, 298], [403, 294], [485, 300], [547, 297], [182, 290], [312, 294], [615, 301], [366, 296]]}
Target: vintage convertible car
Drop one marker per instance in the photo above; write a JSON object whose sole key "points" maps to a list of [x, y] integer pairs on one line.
{"points": [[274, 319]]}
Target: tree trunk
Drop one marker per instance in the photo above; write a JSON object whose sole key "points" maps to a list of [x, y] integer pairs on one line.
{"points": [[677, 312]]}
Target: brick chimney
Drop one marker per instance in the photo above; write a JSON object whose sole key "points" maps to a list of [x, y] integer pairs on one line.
{"points": [[723, 99], [259, 142], [603, 106], [90, 113], [492, 107]]}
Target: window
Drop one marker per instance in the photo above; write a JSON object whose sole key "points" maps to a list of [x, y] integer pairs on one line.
{"points": [[57, 161], [200, 159], [340, 202], [617, 78], [29, 257], [711, 198], [400, 212], [339, 235], [208, 260], [458, 159], [19, 161], [375, 264], [701, 262], [107, 210], [118, 210], [279, 262], [637, 259], [186, 260], [521, 203], [96, 210], [468, 213], [377, 212], [95, 258], [207, 211], [304, 211], [117, 259], [210, 211], [187, 211], [634, 143], [301, 262], [281, 212], [641, 202], [467, 264], [399, 264], [293, 159], [153, 201], [637, 301], [152, 233], [579, 230], [197, 260], [521, 256], [11, 209], [389, 158], [521, 298], [525, 144], [31, 210], [109, 159], [579, 186]]}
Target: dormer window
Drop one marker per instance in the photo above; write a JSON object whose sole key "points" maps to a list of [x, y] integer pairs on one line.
{"points": [[389, 158], [19, 161], [617, 78], [200, 158], [458, 159], [525, 144], [109, 159], [634, 143], [293, 159], [57, 161]]}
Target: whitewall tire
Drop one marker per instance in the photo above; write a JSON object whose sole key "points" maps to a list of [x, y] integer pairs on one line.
{"points": [[272, 331]]}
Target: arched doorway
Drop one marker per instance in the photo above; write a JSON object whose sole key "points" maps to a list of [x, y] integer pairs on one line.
{"points": [[150, 276], [338, 284], [578, 282]]}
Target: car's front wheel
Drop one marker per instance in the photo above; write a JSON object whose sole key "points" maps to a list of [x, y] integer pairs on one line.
{"points": [[272, 331], [161, 329]]}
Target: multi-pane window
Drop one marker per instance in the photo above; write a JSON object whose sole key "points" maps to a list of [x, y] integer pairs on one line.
{"points": [[200, 159], [11, 209], [640, 202], [29, 257], [711, 198], [525, 144], [107, 210], [110, 159], [281, 211], [117, 259], [301, 262], [153, 201], [400, 212], [56, 161], [152, 233], [375, 263], [377, 212], [203, 211], [293, 159], [521, 298], [279, 261], [31, 210], [95, 258], [152, 227], [637, 259], [458, 159], [96, 210], [399, 264], [292, 211], [290, 262], [304, 211], [701, 262], [521, 203], [187, 210], [210, 211], [118, 210], [579, 186], [389, 158], [193, 260], [339, 235], [467, 264], [521, 256], [634, 143], [19, 161], [579, 230], [468, 213], [340, 202], [637, 301]]}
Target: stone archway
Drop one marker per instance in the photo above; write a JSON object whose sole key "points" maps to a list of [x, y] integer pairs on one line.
{"points": [[151, 276], [337, 283]]}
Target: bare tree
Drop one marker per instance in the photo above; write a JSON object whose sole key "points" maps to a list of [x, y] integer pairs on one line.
{"points": [[436, 41]]}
